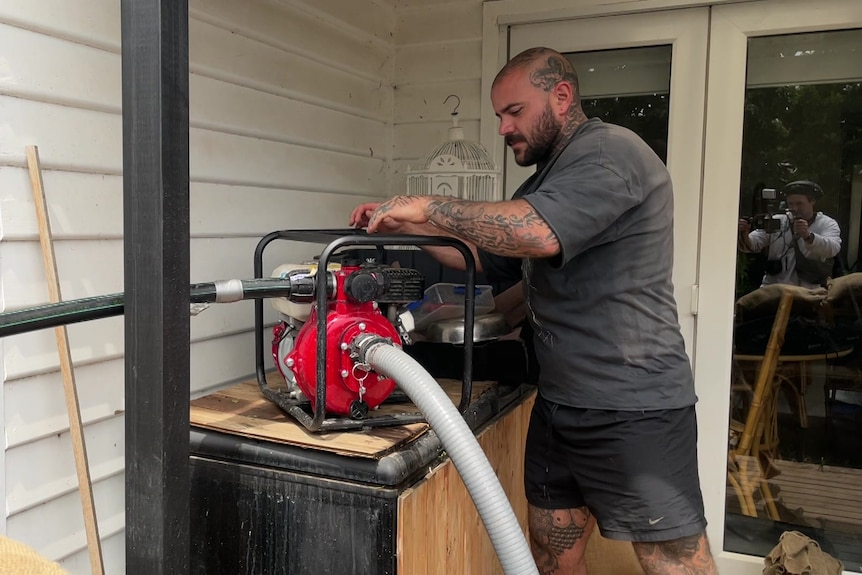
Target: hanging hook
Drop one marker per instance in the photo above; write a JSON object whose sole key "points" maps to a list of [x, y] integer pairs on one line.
{"points": [[458, 105]]}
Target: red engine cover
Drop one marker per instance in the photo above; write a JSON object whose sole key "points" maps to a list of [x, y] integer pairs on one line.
{"points": [[345, 380]]}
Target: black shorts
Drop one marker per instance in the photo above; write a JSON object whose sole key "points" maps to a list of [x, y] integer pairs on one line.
{"points": [[635, 470]]}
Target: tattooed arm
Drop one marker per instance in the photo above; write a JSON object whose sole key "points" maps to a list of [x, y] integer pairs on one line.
{"points": [[510, 228], [449, 257]]}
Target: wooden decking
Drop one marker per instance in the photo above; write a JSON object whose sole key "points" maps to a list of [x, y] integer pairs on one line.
{"points": [[820, 496], [825, 496]]}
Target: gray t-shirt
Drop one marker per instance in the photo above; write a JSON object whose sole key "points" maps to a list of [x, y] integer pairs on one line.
{"points": [[603, 312]]}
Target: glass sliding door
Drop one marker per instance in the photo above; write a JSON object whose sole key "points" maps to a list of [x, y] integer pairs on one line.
{"points": [[783, 107], [802, 123]]}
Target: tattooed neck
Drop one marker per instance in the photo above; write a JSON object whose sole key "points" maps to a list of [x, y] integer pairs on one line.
{"points": [[545, 76], [575, 118]]}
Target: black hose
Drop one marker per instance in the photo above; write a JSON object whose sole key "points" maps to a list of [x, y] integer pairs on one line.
{"points": [[52, 315], [86, 309]]}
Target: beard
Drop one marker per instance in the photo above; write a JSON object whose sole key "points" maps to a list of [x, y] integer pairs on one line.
{"points": [[540, 142]]}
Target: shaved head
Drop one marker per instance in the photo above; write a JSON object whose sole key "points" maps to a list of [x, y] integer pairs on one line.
{"points": [[545, 68], [535, 96]]}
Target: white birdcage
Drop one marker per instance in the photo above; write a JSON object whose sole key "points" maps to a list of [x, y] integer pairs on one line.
{"points": [[458, 168]]}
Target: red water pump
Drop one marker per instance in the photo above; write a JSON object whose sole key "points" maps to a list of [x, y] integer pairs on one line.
{"points": [[356, 295]]}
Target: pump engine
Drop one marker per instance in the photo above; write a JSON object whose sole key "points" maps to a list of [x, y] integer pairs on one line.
{"points": [[361, 298]]}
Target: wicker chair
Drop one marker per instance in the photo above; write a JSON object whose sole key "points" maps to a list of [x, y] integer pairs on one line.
{"points": [[748, 464]]}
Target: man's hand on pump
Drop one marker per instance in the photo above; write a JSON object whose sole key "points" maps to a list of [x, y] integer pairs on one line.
{"points": [[362, 213], [398, 211], [400, 215]]}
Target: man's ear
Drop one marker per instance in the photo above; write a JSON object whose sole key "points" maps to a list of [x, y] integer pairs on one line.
{"points": [[562, 97]]}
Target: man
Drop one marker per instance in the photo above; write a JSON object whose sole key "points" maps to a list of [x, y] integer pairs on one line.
{"points": [[803, 249], [612, 436]]}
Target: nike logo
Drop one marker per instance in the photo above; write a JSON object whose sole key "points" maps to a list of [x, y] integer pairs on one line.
{"points": [[654, 521]]}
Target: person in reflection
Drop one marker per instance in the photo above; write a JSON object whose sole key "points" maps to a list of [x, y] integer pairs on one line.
{"points": [[803, 248], [612, 437]]}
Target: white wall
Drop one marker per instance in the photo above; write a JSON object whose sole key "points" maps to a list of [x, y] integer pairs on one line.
{"points": [[291, 109], [438, 52]]}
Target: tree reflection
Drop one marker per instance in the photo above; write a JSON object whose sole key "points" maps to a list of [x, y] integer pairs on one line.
{"points": [[801, 132]]}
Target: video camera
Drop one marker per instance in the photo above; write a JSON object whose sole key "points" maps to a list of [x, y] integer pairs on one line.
{"points": [[767, 207]]}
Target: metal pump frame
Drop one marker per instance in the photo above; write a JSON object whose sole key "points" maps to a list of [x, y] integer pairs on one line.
{"points": [[336, 240]]}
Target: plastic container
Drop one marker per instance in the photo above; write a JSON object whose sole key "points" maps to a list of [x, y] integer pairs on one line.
{"points": [[446, 301]]}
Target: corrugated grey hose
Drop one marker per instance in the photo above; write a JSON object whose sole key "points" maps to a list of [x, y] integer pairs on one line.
{"points": [[461, 445]]}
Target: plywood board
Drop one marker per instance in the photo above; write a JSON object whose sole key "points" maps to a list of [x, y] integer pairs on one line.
{"points": [[439, 529], [242, 410]]}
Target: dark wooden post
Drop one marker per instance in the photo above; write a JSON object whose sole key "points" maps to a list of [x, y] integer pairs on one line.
{"points": [[156, 254]]}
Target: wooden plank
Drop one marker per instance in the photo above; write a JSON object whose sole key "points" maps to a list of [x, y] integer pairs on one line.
{"points": [[32, 486], [280, 118], [79, 262], [70, 390], [816, 467], [823, 493], [56, 70], [90, 207], [214, 156], [439, 529], [427, 63], [366, 17], [814, 506], [282, 25], [440, 24], [242, 410], [276, 427], [814, 482], [837, 498], [50, 125], [810, 502], [218, 54], [818, 475], [246, 160], [40, 410], [56, 530], [98, 25]]}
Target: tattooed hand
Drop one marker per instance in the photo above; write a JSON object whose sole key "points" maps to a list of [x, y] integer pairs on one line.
{"points": [[361, 213], [398, 210]]}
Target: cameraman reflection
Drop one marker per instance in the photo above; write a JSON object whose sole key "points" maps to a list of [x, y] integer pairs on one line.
{"points": [[802, 247]]}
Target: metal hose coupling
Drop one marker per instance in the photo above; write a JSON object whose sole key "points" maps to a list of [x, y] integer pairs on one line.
{"points": [[363, 343]]}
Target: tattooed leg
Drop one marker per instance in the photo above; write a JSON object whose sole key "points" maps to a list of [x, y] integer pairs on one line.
{"points": [[686, 556], [558, 538]]}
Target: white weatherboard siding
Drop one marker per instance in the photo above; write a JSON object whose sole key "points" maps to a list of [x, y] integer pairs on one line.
{"points": [[291, 125], [438, 52]]}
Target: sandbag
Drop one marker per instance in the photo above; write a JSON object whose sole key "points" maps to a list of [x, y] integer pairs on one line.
{"points": [[19, 559], [798, 554]]}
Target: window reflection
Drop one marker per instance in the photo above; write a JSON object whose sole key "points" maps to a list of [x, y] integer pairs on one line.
{"points": [[629, 87], [796, 411]]}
